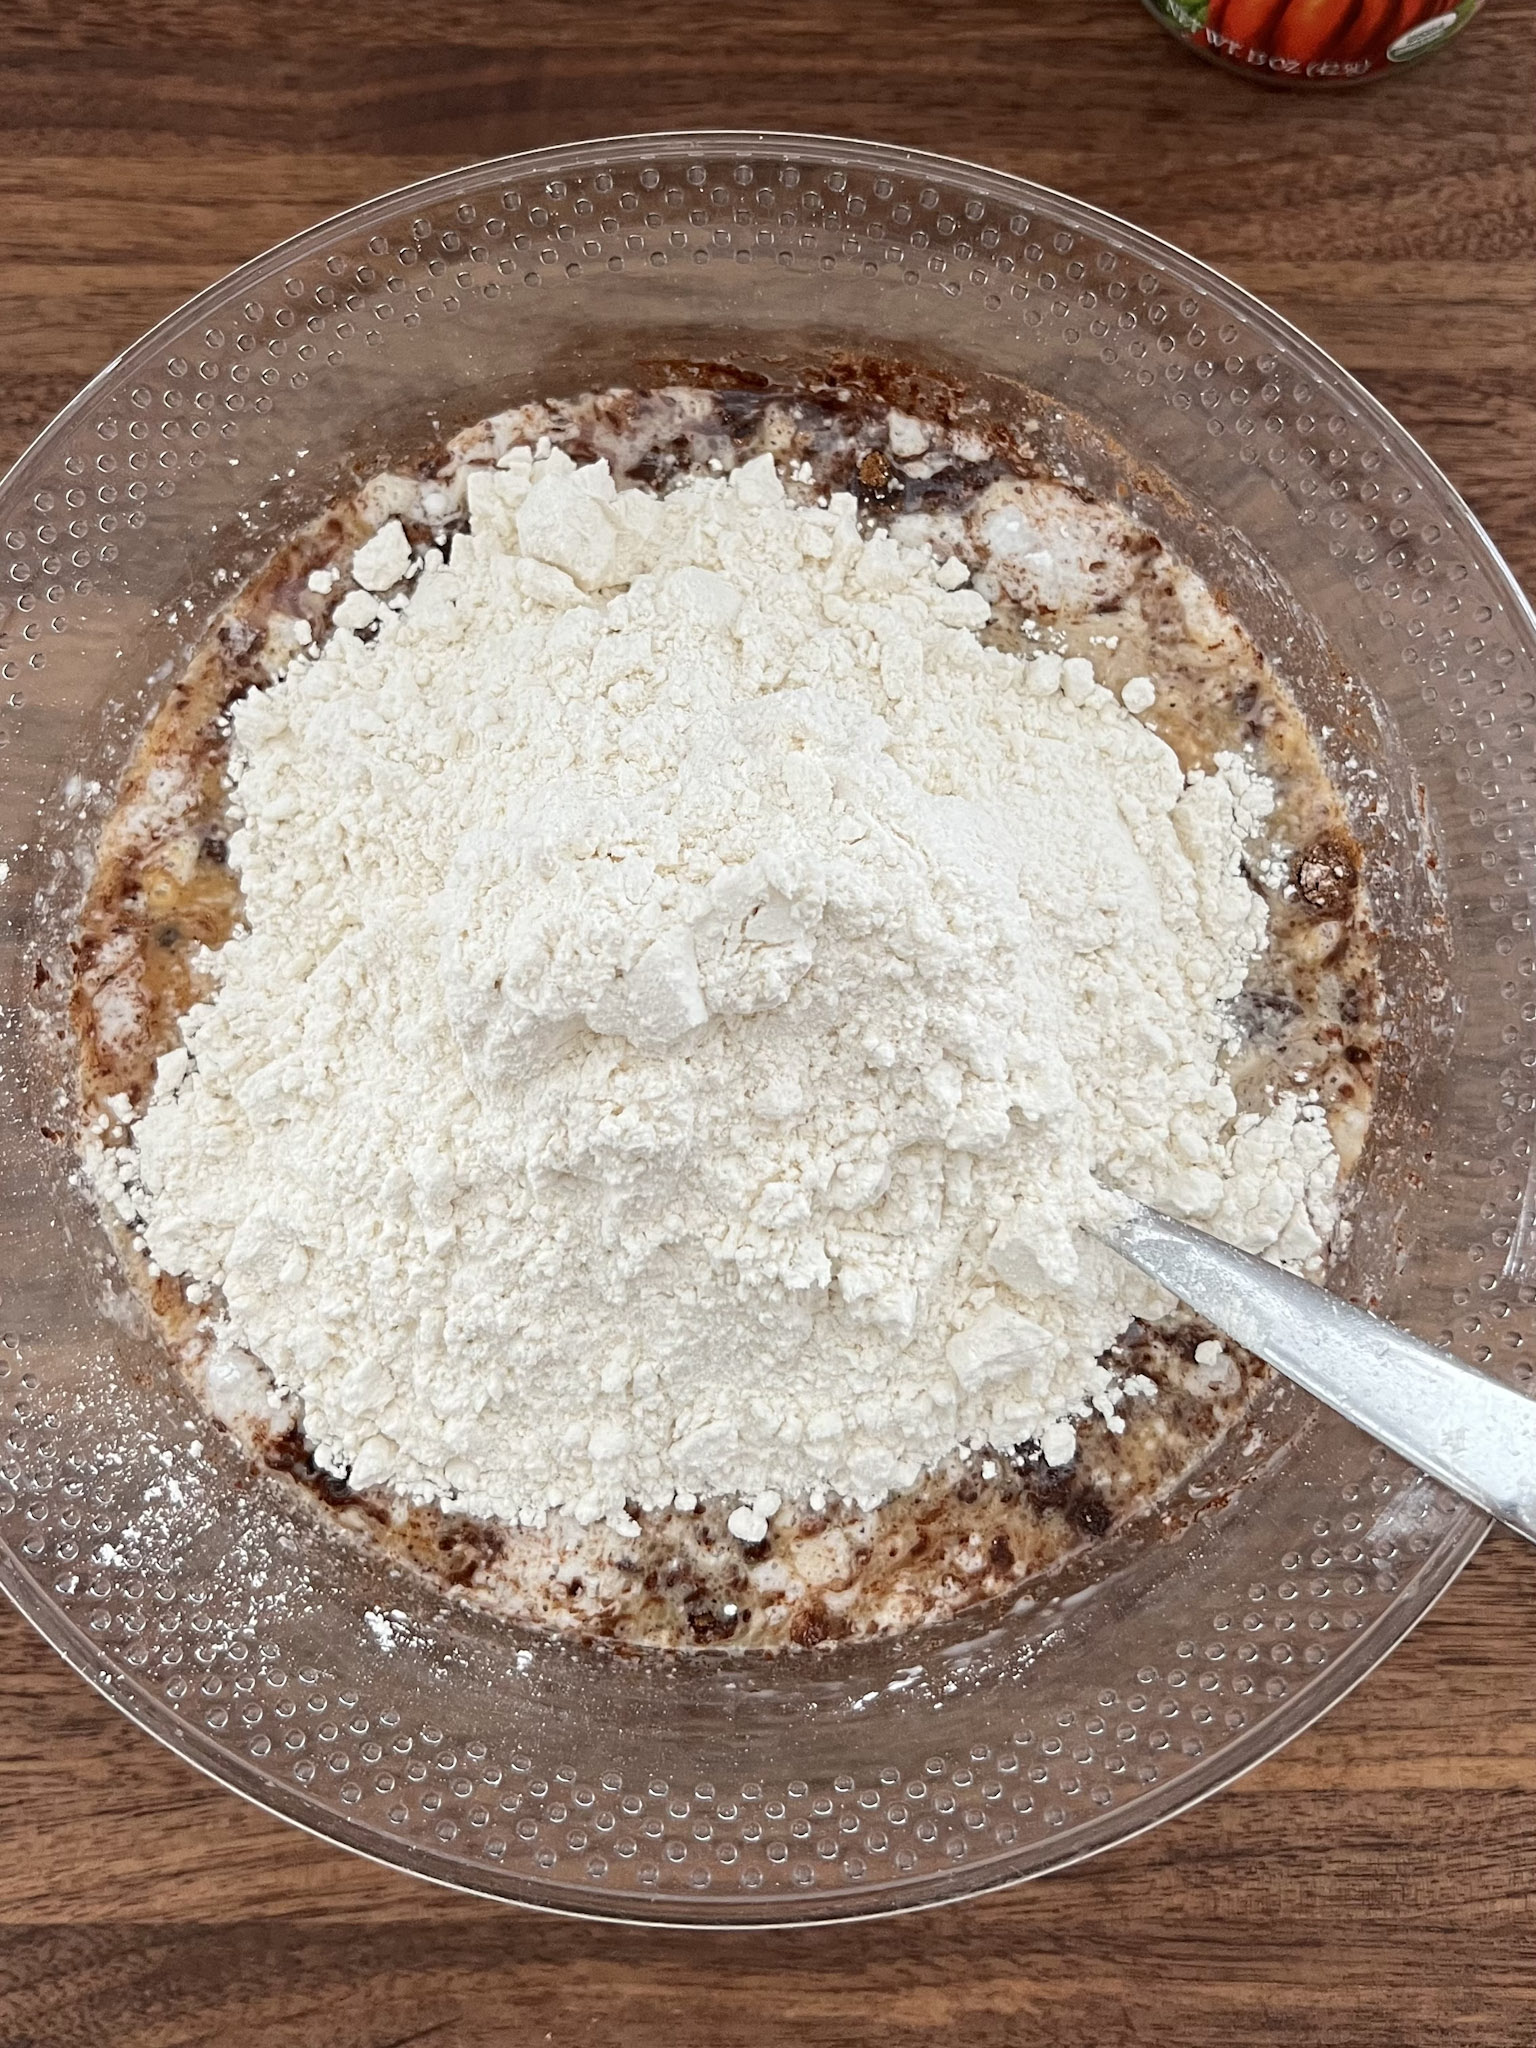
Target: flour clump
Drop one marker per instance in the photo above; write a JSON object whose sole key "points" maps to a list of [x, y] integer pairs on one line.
{"points": [[694, 992]]}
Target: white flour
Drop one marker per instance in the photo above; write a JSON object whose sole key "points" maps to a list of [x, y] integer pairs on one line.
{"points": [[694, 993]]}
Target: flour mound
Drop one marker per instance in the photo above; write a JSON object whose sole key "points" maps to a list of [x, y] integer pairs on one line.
{"points": [[694, 995]]}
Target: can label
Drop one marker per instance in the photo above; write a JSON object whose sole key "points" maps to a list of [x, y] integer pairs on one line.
{"points": [[1317, 42]]}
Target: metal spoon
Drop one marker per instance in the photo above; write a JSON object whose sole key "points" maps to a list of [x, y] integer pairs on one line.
{"points": [[1473, 1434]]}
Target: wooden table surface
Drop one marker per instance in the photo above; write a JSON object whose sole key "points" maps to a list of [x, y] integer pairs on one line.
{"points": [[1371, 1885]]}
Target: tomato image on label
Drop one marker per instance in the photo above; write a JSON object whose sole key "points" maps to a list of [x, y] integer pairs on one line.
{"points": [[1370, 28], [1313, 42], [1305, 29]]}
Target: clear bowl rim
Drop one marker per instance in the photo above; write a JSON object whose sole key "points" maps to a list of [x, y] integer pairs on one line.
{"points": [[1308, 1705], [638, 143]]}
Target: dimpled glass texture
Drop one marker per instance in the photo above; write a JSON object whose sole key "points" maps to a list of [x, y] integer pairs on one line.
{"points": [[211, 1605]]}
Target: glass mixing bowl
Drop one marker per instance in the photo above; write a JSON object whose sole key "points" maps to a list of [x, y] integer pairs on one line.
{"points": [[293, 1664]]}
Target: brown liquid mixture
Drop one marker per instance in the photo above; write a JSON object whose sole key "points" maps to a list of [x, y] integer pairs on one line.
{"points": [[1064, 573]]}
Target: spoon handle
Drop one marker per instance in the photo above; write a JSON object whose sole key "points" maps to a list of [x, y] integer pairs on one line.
{"points": [[1473, 1434]]}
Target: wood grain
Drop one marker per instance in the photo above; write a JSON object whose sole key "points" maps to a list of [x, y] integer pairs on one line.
{"points": [[1371, 1887]]}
